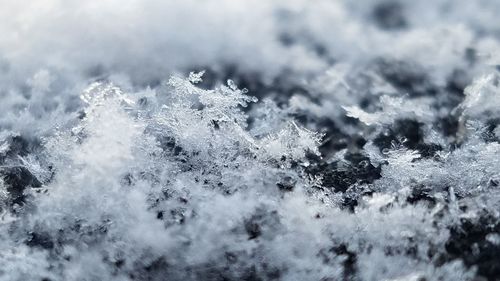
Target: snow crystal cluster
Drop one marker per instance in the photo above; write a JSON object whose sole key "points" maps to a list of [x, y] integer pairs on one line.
{"points": [[249, 140]]}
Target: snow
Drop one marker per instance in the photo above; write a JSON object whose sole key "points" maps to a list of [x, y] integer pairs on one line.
{"points": [[249, 140]]}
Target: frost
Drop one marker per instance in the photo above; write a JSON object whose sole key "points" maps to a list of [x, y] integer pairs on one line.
{"points": [[41, 81], [4, 147], [482, 97], [323, 140], [195, 77], [292, 143], [392, 108]]}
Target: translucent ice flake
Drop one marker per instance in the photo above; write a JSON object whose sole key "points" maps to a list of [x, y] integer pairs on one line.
{"points": [[196, 77]]}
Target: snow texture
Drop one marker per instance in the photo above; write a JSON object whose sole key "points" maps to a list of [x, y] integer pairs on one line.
{"points": [[249, 140]]}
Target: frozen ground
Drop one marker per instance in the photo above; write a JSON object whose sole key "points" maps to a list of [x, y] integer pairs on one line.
{"points": [[249, 140]]}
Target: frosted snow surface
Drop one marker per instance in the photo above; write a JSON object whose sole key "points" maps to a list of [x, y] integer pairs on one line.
{"points": [[249, 140]]}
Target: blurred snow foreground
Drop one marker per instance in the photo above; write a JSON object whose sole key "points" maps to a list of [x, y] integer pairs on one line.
{"points": [[325, 140]]}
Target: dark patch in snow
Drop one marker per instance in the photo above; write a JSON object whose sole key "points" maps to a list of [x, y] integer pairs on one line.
{"points": [[477, 243], [390, 15], [17, 180], [408, 77]]}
